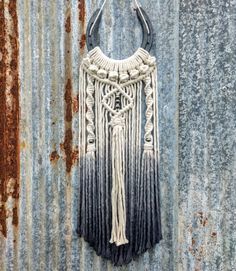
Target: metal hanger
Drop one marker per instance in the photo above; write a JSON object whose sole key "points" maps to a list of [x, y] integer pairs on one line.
{"points": [[92, 39]]}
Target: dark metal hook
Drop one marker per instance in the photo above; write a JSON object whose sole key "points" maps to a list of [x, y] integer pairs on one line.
{"points": [[147, 35], [92, 39]]}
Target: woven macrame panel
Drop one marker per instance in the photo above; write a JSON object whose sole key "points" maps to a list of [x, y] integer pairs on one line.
{"points": [[119, 210]]}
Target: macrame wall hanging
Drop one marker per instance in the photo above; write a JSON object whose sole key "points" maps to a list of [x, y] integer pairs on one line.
{"points": [[119, 210]]}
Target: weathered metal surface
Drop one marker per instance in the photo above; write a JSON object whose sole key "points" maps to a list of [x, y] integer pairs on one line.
{"points": [[194, 46], [9, 134], [207, 138], [52, 44]]}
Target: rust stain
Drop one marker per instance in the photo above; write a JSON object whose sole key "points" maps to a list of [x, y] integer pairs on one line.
{"points": [[198, 247], [82, 19], [82, 12], [76, 104], [202, 219], [3, 69], [75, 155], [12, 6], [54, 156], [197, 252], [68, 24], [15, 219], [71, 106], [82, 41], [9, 112], [214, 234], [67, 147], [3, 225], [68, 100], [71, 155], [205, 221]]}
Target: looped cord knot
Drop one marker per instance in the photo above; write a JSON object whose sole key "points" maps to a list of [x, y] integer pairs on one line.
{"points": [[91, 147], [117, 120], [148, 146]]}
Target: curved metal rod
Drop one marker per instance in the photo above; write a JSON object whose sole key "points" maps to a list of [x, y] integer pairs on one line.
{"points": [[92, 28], [147, 36], [97, 16], [140, 10]]}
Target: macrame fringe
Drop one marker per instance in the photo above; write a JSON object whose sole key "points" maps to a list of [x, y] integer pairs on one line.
{"points": [[119, 208]]}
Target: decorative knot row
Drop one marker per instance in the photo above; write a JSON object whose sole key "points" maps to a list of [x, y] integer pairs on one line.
{"points": [[99, 68]]}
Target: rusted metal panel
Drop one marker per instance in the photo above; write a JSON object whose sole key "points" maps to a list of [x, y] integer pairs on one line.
{"points": [[207, 144], [52, 44], [41, 45], [9, 133]]}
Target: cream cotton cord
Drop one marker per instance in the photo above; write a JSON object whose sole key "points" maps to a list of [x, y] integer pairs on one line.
{"points": [[119, 212]]}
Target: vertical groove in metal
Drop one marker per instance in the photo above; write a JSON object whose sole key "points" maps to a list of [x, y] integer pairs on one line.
{"points": [[25, 124]]}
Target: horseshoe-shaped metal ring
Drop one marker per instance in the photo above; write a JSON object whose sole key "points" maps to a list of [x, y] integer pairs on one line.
{"points": [[92, 38]]}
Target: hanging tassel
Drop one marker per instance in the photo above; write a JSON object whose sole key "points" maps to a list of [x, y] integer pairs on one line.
{"points": [[118, 188], [145, 223]]}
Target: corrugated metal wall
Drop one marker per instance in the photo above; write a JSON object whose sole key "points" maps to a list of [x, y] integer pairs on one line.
{"points": [[41, 46]]}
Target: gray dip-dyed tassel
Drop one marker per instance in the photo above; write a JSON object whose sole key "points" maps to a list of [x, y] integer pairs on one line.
{"points": [[119, 210]]}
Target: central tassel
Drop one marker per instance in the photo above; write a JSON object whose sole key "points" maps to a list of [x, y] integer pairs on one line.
{"points": [[118, 187]]}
